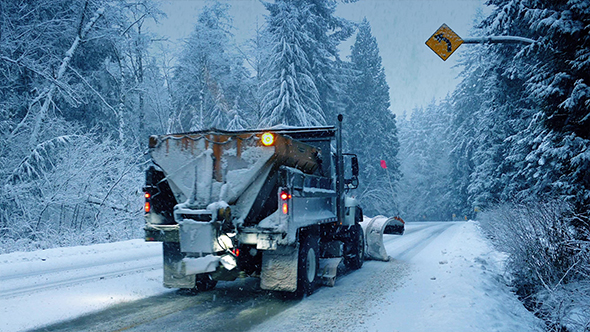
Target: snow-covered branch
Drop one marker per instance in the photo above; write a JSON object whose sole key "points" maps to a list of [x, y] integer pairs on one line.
{"points": [[60, 73]]}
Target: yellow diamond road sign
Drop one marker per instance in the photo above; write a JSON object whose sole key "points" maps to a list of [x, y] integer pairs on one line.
{"points": [[444, 42]]}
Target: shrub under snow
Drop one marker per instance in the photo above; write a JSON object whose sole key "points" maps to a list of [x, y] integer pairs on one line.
{"points": [[548, 259], [78, 192]]}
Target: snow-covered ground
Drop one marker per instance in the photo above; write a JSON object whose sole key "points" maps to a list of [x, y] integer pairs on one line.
{"points": [[43, 287], [442, 276], [454, 284]]}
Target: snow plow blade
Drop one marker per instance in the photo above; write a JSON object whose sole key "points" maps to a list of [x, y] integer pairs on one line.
{"points": [[374, 229]]}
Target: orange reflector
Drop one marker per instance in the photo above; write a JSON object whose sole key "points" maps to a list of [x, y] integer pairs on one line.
{"points": [[147, 207], [267, 139], [285, 208]]}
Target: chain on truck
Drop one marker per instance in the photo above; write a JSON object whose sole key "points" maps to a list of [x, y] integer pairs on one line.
{"points": [[273, 204]]}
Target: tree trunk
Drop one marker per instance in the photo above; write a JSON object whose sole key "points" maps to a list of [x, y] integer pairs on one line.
{"points": [[141, 96]]}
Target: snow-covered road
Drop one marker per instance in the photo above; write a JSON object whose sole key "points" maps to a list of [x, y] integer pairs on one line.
{"points": [[442, 276]]}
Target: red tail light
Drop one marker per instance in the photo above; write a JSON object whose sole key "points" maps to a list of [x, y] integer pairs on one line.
{"points": [[147, 206], [285, 196]]}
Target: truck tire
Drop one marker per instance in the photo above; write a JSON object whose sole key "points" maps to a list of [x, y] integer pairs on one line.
{"points": [[308, 266], [355, 245], [204, 282]]}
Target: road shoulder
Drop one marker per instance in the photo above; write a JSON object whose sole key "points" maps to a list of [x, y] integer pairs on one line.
{"points": [[455, 285]]}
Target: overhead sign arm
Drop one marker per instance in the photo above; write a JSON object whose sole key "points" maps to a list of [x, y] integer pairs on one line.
{"points": [[498, 40]]}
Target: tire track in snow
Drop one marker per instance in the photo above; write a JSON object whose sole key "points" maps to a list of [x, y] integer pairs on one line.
{"points": [[231, 306], [241, 305], [420, 241]]}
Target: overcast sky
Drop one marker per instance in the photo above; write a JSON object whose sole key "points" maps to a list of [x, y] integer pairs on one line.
{"points": [[414, 73]]}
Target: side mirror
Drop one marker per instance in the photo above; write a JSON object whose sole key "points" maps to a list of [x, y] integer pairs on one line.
{"points": [[355, 166], [353, 182]]}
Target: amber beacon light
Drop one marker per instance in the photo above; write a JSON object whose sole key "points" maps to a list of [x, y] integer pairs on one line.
{"points": [[267, 139]]}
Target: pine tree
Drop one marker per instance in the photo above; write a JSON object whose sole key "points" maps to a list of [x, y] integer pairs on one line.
{"points": [[374, 136], [327, 31], [549, 96], [236, 122], [320, 32], [425, 165], [289, 93], [208, 76]]}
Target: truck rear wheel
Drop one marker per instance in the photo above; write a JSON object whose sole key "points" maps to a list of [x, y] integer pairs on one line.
{"points": [[355, 248], [308, 265]]}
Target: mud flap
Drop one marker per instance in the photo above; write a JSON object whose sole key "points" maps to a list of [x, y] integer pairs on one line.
{"points": [[328, 270], [279, 269], [173, 277], [373, 229]]}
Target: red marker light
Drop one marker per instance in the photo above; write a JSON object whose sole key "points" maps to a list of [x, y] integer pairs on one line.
{"points": [[147, 195], [285, 196], [147, 207]]}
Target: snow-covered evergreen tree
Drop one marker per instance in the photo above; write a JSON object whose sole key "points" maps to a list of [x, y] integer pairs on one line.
{"points": [[327, 31], [237, 122], [533, 102], [488, 111], [318, 34], [370, 127], [425, 189], [208, 77], [289, 92]]}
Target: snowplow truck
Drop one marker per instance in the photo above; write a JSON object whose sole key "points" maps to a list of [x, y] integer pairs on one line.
{"points": [[272, 204]]}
